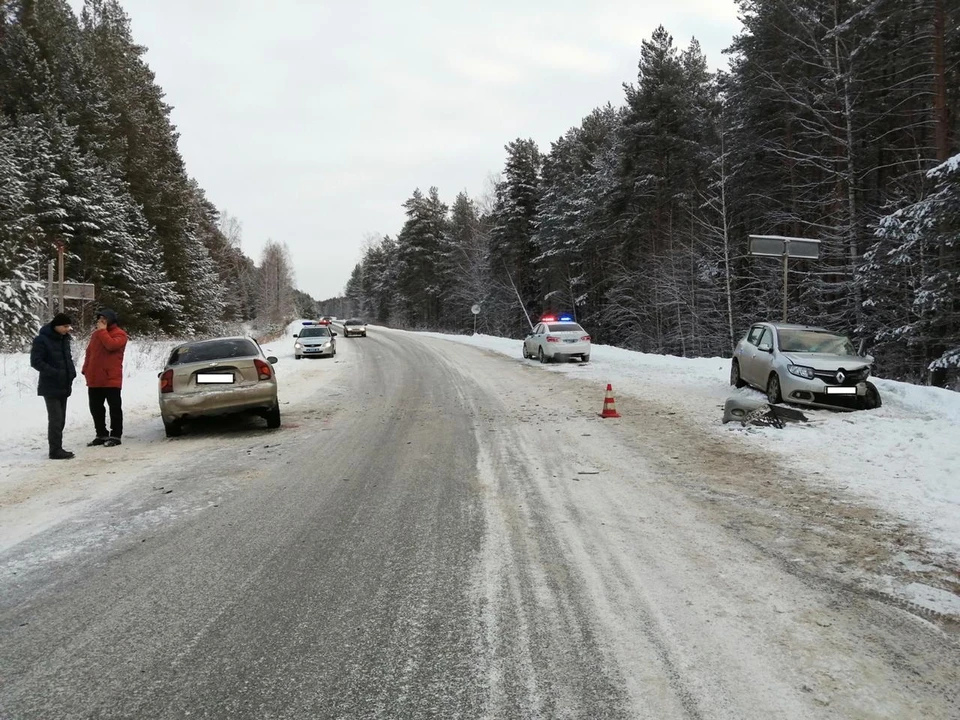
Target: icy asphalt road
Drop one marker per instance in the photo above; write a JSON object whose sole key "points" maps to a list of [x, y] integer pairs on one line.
{"points": [[438, 532]]}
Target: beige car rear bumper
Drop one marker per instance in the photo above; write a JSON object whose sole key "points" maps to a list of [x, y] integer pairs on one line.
{"points": [[218, 401]]}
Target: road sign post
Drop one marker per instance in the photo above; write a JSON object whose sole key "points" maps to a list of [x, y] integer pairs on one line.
{"points": [[476, 311], [784, 247], [60, 263]]}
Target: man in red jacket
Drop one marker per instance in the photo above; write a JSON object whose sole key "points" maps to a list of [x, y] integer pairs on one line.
{"points": [[103, 369]]}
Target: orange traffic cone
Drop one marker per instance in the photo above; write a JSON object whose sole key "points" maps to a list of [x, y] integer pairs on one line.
{"points": [[609, 404]]}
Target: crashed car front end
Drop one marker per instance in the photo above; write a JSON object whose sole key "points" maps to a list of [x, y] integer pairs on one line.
{"points": [[816, 385]]}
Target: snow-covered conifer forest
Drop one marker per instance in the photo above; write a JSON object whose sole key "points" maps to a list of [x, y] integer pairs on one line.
{"points": [[836, 121], [89, 158]]}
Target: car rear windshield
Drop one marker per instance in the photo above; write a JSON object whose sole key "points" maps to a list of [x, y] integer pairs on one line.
{"points": [[353, 322], [565, 327], [814, 341], [213, 350], [315, 332]]}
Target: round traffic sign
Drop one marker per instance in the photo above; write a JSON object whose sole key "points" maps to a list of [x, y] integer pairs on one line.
{"points": [[475, 309]]}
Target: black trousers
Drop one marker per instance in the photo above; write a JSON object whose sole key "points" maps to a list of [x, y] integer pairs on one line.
{"points": [[99, 413], [56, 419]]}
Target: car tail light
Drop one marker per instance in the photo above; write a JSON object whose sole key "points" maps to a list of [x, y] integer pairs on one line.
{"points": [[166, 382], [264, 371], [551, 338], [585, 338]]}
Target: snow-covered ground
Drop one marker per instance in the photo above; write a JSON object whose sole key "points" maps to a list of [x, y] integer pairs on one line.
{"points": [[903, 457]]}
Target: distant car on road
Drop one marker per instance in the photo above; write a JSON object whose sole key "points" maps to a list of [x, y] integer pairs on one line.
{"points": [[354, 327], [315, 341], [804, 364], [326, 320], [557, 338], [220, 376]]}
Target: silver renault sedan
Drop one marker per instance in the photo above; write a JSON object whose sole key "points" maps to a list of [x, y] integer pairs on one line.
{"points": [[804, 364]]}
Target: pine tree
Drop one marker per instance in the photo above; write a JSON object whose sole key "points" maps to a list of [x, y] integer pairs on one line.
{"points": [[919, 244], [513, 250], [421, 252]]}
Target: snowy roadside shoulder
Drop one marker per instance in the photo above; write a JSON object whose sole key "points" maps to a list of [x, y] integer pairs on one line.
{"points": [[903, 457], [23, 420], [37, 493]]}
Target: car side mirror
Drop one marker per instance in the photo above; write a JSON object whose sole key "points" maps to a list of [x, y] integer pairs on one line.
{"points": [[334, 334], [765, 348], [159, 374], [296, 335], [271, 359]]}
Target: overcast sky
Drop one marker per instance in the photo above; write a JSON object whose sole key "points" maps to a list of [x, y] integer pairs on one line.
{"points": [[313, 120]]}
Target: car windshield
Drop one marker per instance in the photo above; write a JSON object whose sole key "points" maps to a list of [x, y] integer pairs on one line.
{"points": [[565, 327], [315, 332], [212, 350], [815, 341], [353, 322]]}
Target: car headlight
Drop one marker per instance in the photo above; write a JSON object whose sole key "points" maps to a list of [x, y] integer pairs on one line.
{"points": [[297, 346], [801, 371], [326, 345]]}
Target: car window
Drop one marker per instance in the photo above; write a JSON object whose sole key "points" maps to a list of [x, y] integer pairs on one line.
{"points": [[315, 332], [207, 350], [565, 327], [766, 338], [815, 341], [754, 337]]}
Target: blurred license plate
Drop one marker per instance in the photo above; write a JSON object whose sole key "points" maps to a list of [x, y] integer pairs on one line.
{"points": [[214, 378], [570, 341], [311, 349], [841, 390]]}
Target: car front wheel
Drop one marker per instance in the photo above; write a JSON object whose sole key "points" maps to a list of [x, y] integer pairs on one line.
{"points": [[871, 400], [735, 378], [773, 390]]}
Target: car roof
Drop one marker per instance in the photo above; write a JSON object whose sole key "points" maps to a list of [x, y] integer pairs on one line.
{"points": [[217, 339], [789, 326]]}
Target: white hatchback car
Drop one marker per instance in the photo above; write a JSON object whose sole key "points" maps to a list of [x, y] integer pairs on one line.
{"points": [[554, 339]]}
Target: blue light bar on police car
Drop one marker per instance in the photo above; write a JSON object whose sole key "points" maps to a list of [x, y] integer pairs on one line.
{"points": [[308, 322]]}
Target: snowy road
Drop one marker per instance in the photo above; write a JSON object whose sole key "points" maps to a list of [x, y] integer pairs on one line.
{"points": [[439, 532]]}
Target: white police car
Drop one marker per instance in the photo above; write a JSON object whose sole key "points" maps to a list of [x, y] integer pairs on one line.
{"points": [[556, 338], [315, 340]]}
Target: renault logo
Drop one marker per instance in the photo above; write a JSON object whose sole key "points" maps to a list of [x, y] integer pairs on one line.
{"points": [[840, 376]]}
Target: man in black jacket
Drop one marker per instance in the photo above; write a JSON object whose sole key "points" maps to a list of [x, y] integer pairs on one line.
{"points": [[51, 356]]}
